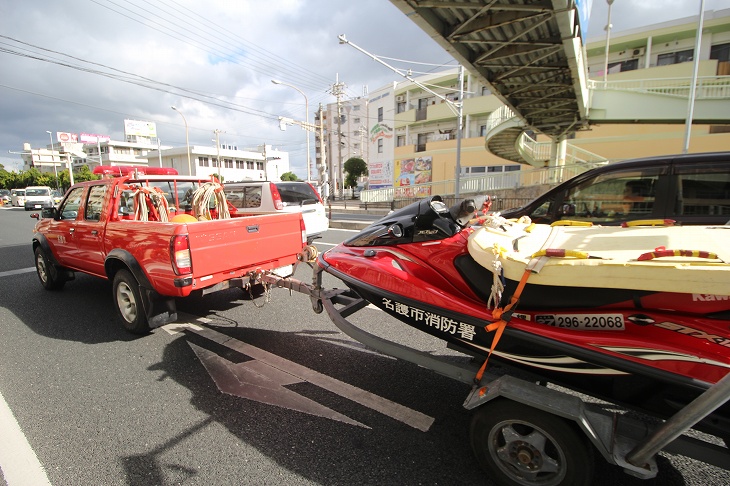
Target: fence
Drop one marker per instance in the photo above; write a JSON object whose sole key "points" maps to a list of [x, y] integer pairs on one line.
{"points": [[477, 185]]}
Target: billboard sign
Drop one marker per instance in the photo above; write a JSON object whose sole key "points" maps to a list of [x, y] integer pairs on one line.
{"points": [[93, 138], [140, 128], [65, 137]]}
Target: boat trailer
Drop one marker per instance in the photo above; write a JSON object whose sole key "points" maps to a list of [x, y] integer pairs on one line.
{"points": [[623, 441]]}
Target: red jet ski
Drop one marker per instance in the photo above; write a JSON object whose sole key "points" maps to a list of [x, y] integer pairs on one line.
{"points": [[651, 350]]}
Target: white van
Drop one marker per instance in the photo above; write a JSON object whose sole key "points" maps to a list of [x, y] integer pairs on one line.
{"points": [[38, 197], [286, 196], [17, 197]]}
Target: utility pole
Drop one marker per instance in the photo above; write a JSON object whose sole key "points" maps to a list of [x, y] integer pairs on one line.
{"points": [[337, 91], [218, 149], [324, 174]]}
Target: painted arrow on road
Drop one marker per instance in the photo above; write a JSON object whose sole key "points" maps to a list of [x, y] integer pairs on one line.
{"points": [[260, 382], [264, 378]]}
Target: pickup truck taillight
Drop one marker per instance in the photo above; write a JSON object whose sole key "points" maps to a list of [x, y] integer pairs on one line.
{"points": [[304, 231], [276, 197], [180, 250]]}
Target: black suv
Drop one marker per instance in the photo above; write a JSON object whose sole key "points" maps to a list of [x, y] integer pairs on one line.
{"points": [[689, 189]]}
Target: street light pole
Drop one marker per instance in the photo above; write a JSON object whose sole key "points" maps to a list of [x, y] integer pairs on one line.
{"points": [[55, 174], [608, 35], [306, 120], [187, 139]]}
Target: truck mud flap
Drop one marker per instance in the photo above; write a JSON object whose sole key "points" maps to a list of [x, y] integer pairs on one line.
{"points": [[159, 310]]}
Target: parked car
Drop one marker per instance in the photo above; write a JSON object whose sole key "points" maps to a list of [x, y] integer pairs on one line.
{"points": [[57, 196], [17, 197], [38, 197], [5, 196], [286, 196], [689, 189]]}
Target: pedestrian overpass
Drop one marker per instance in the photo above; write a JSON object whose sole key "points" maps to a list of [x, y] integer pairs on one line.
{"points": [[531, 54]]}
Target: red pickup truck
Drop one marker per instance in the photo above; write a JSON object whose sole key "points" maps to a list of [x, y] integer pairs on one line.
{"points": [[159, 236]]}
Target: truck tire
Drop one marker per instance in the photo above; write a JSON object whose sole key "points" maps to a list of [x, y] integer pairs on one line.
{"points": [[48, 273], [521, 445], [128, 302]]}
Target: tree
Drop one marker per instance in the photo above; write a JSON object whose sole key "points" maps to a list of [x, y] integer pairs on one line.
{"points": [[355, 168], [289, 176]]}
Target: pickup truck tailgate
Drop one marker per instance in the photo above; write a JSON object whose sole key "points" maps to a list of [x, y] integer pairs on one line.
{"points": [[248, 243]]}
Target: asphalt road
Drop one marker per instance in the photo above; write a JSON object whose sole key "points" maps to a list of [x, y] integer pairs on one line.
{"points": [[98, 406]]}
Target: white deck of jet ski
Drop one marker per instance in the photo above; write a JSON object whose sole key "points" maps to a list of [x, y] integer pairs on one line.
{"points": [[614, 252]]}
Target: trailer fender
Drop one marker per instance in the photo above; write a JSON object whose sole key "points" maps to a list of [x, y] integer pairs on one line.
{"points": [[597, 424]]}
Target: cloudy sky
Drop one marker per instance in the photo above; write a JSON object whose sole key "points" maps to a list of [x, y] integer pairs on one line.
{"points": [[86, 65]]}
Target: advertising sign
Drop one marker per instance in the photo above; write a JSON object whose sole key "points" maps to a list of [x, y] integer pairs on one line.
{"points": [[140, 128], [413, 177], [380, 174], [93, 138], [66, 137]]}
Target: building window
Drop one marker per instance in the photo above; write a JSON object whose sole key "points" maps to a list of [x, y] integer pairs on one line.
{"points": [[720, 52], [380, 145], [356, 108], [249, 164], [674, 57], [203, 162], [482, 130], [400, 107], [486, 91], [356, 120], [259, 166], [400, 140], [511, 168], [228, 163], [617, 67], [239, 164], [380, 114]]}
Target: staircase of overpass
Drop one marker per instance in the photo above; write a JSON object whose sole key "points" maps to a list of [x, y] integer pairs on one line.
{"points": [[531, 54]]}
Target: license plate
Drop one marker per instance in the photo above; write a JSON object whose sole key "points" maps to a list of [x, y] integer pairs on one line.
{"points": [[583, 322], [38, 206]]}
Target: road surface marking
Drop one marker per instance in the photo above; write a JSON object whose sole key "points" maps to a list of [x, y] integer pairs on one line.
{"points": [[17, 272], [18, 462], [288, 371]]}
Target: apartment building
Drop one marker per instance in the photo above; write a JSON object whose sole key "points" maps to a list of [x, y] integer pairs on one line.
{"points": [[345, 136]]}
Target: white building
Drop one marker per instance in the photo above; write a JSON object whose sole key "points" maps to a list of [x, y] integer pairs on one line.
{"points": [[235, 165]]}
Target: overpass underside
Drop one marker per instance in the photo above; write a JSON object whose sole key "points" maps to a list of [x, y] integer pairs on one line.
{"points": [[529, 52]]}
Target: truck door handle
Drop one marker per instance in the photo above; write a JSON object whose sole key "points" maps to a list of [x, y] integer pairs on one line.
{"points": [[72, 230], [94, 232]]}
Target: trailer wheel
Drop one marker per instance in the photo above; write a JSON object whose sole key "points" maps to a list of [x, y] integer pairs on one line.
{"points": [[128, 302], [520, 445], [48, 273]]}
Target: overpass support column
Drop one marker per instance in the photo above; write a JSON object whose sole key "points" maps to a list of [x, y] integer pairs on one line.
{"points": [[557, 157]]}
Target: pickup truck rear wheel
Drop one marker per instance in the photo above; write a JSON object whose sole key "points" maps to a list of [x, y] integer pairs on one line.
{"points": [[128, 302], [48, 273]]}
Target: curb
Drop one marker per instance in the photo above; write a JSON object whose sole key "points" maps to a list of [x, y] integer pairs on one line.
{"points": [[351, 225]]}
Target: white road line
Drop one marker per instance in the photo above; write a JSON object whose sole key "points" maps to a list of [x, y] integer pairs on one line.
{"points": [[17, 272], [18, 462]]}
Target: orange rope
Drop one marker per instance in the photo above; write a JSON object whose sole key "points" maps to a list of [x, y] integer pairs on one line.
{"points": [[503, 315]]}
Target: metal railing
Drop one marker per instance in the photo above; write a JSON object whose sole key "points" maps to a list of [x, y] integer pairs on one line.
{"points": [[478, 185], [707, 87]]}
